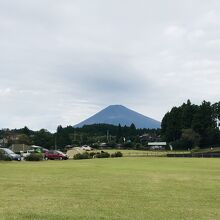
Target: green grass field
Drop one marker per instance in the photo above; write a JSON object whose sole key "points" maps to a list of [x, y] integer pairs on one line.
{"points": [[144, 153], [119, 188], [130, 153]]}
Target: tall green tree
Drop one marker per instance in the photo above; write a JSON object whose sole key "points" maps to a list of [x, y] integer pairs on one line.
{"points": [[202, 119], [44, 138]]}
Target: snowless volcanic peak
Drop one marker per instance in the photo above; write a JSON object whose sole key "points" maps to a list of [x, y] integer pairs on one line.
{"points": [[119, 114]]}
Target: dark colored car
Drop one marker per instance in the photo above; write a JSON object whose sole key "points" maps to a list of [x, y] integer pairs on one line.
{"points": [[55, 154], [10, 154]]}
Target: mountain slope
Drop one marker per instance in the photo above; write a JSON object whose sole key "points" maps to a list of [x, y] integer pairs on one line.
{"points": [[115, 114]]}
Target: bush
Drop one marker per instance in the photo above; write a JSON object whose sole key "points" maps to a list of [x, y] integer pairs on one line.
{"points": [[92, 154], [82, 156], [34, 157], [102, 155], [117, 154]]}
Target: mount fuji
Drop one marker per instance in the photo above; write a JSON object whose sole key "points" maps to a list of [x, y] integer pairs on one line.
{"points": [[118, 114]]}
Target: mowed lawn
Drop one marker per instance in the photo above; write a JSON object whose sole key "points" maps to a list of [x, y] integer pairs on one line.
{"points": [[130, 153], [118, 188]]}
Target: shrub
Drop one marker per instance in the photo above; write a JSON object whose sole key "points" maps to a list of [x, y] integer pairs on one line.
{"points": [[34, 157], [117, 154], [102, 155], [92, 154], [81, 156]]}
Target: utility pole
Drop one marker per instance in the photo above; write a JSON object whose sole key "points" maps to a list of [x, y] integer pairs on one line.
{"points": [[55, 141], [107, 135]]}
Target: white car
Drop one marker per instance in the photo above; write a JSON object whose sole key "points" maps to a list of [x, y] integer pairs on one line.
{"points": [[27, 153], [86, 148]]}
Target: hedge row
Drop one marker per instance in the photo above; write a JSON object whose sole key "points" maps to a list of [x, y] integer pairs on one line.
{"points": [[91, 155]]}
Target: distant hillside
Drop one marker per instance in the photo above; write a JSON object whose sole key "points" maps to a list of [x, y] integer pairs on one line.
{"points": [[118, 114]]}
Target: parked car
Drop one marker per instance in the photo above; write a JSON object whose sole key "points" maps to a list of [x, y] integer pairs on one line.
{"points": [[10, 154], [86, 148], [34, 149], [55, 154]]}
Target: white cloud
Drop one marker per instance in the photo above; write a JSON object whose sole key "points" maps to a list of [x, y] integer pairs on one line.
{"points": [[215, 44], [5, 92], [175, 31]]}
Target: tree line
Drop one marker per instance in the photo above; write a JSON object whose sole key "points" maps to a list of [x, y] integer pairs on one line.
{"points": [[94, 134], [192, 126]]}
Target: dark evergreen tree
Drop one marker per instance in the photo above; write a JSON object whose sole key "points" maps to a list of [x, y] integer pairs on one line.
{"points": [[44, 138], [119, 134], [202, 120]]}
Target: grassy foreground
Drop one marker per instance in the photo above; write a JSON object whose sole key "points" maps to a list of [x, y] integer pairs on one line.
{"points": [[119, 188]]}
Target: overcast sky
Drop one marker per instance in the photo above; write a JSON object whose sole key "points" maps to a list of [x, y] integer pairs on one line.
{"points": [[63, 60]]}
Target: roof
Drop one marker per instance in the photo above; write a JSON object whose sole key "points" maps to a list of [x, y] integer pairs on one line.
{"points": [[157, 143]]}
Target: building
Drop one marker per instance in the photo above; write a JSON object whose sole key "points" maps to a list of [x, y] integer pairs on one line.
{"points": [[157, 145]]}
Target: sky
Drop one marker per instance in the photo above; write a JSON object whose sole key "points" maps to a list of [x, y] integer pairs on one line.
{"points": [[62, 61]]}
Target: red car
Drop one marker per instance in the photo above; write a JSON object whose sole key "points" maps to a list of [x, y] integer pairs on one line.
{"points": [[55, 154]]}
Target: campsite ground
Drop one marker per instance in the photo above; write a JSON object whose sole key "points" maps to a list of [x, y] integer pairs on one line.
{"points": [[118, 188]]}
